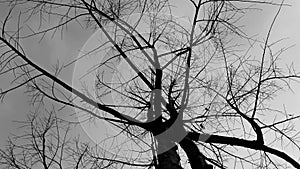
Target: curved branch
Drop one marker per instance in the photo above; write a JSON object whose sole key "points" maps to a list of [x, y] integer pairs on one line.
{"points": [[233, 141], [69, 88]]}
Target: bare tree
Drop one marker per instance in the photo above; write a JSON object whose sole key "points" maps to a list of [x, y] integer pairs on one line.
{"points": [[48, 142], [192, 86]]}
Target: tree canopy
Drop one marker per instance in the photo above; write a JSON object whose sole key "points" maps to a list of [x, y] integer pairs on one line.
{"points": [[176, 91]]}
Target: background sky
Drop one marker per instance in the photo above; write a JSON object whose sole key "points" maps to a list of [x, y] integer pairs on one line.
{"points": [[15, 106]]}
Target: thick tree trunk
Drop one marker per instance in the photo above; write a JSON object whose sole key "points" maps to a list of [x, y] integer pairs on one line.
{"points": [[167, 158], [196, 158]]}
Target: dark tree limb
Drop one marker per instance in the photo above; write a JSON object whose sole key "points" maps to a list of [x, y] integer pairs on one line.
{"points": [[252, 144], [196, 158]]}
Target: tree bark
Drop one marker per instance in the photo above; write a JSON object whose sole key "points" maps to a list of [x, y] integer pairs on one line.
{"points": [[167, 158], [196, 158]]}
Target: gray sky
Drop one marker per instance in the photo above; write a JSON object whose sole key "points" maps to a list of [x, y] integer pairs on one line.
{"points": [[46, 53]]}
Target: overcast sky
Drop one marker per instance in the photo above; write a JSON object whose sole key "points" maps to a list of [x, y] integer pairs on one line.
{"points": [[46, 53]]}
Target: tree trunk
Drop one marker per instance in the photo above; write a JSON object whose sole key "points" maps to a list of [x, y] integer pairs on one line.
{"points": [[196, 158], [167, 158]]}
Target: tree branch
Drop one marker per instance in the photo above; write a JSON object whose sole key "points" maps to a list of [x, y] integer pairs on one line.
{"points": [[233, 141]]}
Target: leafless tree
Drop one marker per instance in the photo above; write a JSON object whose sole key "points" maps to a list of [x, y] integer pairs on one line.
{"points": [[193, 86], [47, 142]]}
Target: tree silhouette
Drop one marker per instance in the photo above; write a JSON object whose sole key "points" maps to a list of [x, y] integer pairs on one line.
{"points": [[168, 84]]}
